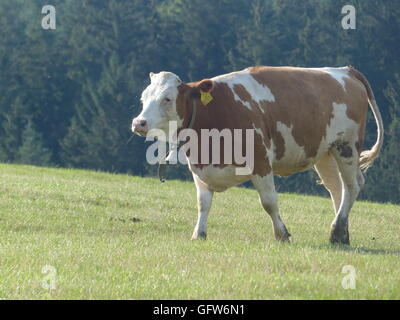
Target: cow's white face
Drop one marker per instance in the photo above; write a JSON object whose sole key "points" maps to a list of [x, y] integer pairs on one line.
{"points": [[159, 105]]}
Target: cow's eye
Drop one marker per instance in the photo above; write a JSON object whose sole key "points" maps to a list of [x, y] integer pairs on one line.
{"points": [[167, 100]]}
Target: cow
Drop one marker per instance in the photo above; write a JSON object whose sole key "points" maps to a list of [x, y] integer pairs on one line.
{"points": [[303, 118]]}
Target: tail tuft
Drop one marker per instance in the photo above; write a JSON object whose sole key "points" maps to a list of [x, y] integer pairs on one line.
{"points": [[367, 159]]}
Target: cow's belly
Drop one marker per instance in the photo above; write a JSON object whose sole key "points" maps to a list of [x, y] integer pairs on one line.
{"points": [[218, 179], [286, 168], [295, 160]]}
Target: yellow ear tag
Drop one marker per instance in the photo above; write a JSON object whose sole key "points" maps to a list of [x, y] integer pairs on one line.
{"points": [[206, 97]]}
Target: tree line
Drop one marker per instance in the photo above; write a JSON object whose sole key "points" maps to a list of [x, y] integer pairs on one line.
{"points": [[67, 96]]}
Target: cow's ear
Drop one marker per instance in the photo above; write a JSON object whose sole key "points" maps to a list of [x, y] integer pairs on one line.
{"points": [[151, 75], [202, 90], [206, 85]]}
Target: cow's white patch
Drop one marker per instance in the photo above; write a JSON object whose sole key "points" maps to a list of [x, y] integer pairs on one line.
{"points": [[340, 127], [218, 179], [341, 123], [294, 158], [293, 151], [259, 132], [156, 111], [339, 74], [257, 91]]}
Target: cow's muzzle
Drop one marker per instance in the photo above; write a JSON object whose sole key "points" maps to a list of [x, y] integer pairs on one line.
{"points": [[139, 126]]}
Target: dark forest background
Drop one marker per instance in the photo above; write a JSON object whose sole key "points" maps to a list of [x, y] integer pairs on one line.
{"points": [[67, 96]]}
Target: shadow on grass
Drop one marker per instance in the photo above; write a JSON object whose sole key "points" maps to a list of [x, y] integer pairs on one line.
{"points": [[359, 250]]}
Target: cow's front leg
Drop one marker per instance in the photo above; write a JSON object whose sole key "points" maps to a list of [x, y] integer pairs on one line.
{"points": [[269, 200], [204, 199]]}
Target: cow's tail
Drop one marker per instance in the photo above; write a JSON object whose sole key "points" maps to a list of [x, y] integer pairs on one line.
{"points": [[367, 157]]}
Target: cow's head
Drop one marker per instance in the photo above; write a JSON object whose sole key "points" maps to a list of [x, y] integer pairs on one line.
{"points": [[167, 99]]}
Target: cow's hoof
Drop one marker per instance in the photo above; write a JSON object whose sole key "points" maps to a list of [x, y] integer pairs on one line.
{"points": [[283, 238], [283, 235], [339, 237], [202, 236]]}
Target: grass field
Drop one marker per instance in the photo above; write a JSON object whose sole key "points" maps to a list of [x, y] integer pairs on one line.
{"points": [[108, 236]]}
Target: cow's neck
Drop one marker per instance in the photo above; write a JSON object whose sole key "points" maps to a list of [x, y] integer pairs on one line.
{"points": [[189, 122]]}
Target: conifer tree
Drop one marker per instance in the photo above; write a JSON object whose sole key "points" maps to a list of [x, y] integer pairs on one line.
{"points": [[32, 150]]}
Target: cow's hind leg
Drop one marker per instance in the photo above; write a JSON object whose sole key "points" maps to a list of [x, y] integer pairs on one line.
{"points": [[328, 171], [269, 200], [204, 199], [353, 180]]}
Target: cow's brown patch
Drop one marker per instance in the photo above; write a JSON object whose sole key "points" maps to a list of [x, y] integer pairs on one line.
{"points": [[279, 144]]}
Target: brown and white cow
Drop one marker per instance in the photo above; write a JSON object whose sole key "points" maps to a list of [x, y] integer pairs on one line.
{"points": [[302, 117]]}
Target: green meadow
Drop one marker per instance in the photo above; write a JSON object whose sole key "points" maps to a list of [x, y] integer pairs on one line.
{"points": [[75, 234]]}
